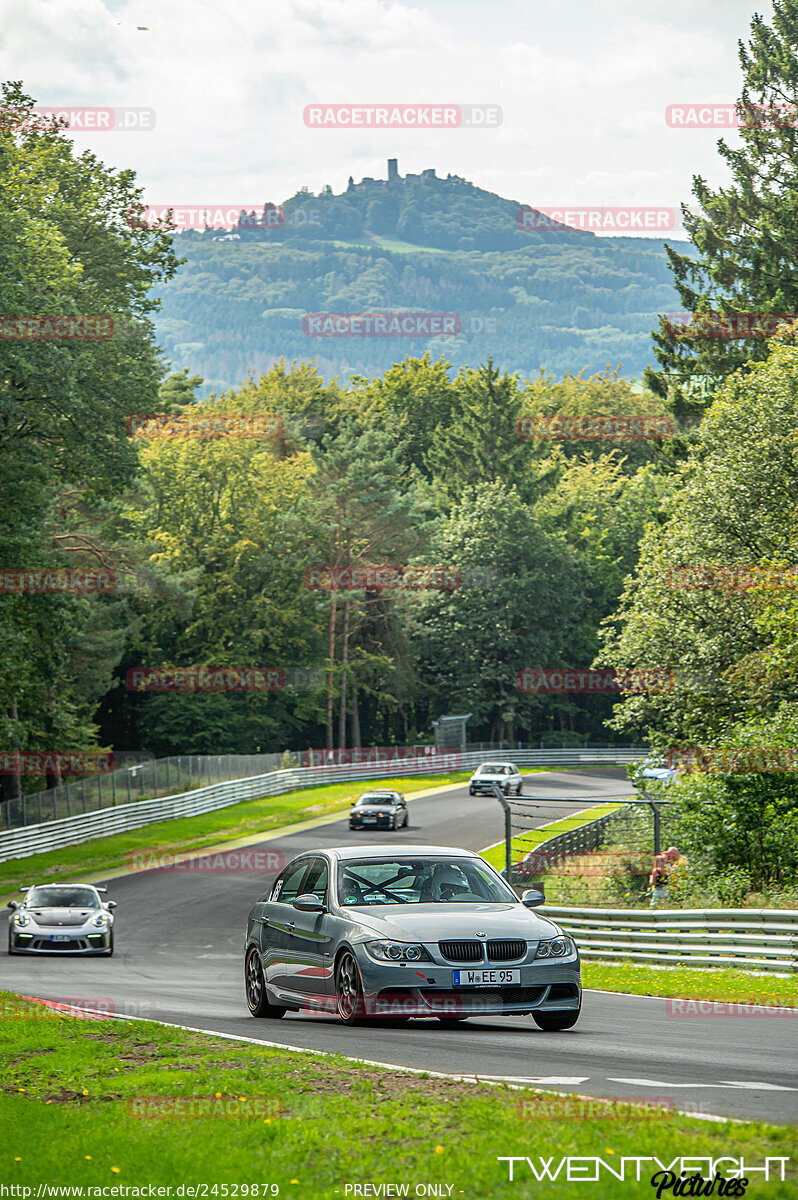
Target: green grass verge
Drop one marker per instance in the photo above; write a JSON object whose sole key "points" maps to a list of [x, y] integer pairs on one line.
{"points": [[691, 983], [72, 1091], [207, 829], [525, 842]]}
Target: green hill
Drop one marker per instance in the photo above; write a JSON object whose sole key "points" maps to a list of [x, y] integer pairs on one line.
{"points": [[557, 299]]}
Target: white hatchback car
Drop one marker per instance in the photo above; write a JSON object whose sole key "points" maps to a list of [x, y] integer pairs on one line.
{"points": [[506, 774]]}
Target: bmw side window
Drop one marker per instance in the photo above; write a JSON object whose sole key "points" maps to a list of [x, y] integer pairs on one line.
{"points": [[316, 882], [286, 888]]}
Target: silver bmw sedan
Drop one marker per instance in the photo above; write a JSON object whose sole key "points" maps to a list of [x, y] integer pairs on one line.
{"points": [[426, 931]]}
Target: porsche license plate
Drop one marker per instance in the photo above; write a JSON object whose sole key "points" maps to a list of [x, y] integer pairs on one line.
{"points": [[60, 937], [484, 978]]}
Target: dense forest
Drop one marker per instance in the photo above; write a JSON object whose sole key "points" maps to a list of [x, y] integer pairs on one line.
{"points": [[556, 299]]}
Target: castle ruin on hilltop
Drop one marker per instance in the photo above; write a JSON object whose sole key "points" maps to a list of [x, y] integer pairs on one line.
{"points": [[394, 177]]}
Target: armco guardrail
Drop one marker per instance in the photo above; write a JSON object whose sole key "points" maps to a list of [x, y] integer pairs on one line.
{"points": [[753, 938], [574, 841], [50, 835]]}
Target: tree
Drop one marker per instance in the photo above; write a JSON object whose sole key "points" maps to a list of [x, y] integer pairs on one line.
{"points": [[365, 503], [522, 599], [730, 641], [480, 444], [67, 250], [745, 234]]}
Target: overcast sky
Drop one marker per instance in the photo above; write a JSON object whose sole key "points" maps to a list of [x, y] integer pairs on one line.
{"points": [[583, 87]]}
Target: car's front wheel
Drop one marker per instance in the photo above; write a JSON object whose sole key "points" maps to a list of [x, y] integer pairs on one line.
{"points": [[553, 1022], [257, 997], [471, 792], [11, 949], [349, 990], [110, 945]]}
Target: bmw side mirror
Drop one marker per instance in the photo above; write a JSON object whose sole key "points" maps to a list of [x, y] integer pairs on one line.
{"points": [[111, 904], [309, 903], [532, 897]]}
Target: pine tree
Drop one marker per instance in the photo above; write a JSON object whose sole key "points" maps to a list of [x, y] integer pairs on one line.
{"points": [[746, 235]]}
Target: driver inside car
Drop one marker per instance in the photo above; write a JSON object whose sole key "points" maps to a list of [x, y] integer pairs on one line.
{"points": [[447, 882]]}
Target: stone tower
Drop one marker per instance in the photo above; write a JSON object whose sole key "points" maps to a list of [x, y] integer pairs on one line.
{"points": [[393, 170]]}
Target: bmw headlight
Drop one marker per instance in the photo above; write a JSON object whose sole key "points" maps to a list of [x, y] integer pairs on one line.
{"points": [[557, 947], [397, 951], [21, 919], [101, 919]]}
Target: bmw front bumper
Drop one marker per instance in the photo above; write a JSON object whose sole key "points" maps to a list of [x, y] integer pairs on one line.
{"points": [[426, 989]]}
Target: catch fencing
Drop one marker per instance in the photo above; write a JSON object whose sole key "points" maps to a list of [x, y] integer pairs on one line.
{"points": [[69, 830]]}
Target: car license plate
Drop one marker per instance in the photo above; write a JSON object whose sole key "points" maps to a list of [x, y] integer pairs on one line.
{"points": [[60, 937], [370, 820], [484, 978]]}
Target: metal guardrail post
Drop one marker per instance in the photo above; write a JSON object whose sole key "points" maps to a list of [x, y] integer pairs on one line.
{"points": [[508, 832]]}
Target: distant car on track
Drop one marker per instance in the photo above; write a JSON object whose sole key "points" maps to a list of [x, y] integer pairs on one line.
{"points": [[63, 918], [423, 931], [379, 810], [506, 774]]}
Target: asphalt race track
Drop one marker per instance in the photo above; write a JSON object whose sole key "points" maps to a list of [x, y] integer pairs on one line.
{"points": [[179, 939]]}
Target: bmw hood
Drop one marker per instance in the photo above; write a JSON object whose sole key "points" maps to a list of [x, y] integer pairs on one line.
{"points": [[436, 922]]}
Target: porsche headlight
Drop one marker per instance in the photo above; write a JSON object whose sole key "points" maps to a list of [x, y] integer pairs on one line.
{"points": [[21, 919], [397, 951], [100, 919], [557, 947]]}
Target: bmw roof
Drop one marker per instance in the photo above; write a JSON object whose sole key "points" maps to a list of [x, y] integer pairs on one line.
{"points": [[392, 851]]}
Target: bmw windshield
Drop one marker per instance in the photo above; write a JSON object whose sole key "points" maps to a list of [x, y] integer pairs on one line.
{"points": [[371, 881]]}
